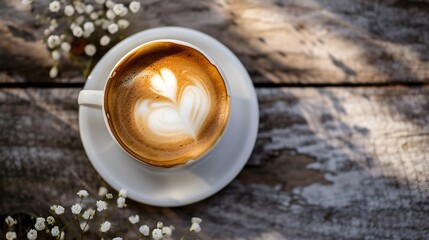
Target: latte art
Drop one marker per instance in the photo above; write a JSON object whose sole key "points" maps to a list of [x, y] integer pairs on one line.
{"points": [[166, 104], [183, 114]]}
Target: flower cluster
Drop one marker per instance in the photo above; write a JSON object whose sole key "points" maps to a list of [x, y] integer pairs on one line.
{"points": [[54, 228], [79, 28]]}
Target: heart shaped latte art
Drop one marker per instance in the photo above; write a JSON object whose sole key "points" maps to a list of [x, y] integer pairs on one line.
{"points": [[181, 116]]}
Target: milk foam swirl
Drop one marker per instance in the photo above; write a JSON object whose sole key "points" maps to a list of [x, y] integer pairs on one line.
{"points": [[182, 115]]}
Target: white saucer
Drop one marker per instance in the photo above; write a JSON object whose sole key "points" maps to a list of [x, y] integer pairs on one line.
{"points": [[191, 183]]}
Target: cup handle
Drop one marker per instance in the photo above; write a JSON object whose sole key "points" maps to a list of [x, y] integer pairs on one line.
{"points": [[91, 97]]}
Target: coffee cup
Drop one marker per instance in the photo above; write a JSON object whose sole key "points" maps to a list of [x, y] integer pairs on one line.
{"points": [[166, 103]]}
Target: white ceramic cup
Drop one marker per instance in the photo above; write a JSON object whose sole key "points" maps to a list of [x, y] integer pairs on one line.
{"points": [[98, 98]]}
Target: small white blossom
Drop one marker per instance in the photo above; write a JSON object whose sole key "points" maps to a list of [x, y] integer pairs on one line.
{"points": [[79, 6], [110, 14], [11, 235], [62, 235], [109, 196], [83, 194], [53, 73], [123, 23], [59, 210], [32, 234], [89, 8], [84, 226], [40, 224], [104, 41], [73, 25], [123, 193], [46, 32], [113, 28], [65, 46], [10, 221], [53, 41], [106, 23], [76, 209], [55, 231], [195, 227], [134, 219], [105, 226], [77, 32], [88, 214], [54, 6], [117, 238], [55, 55], [101, 205], [79, 20], [69, 10], [93, 16], [102, 191], [118, 8], [159, 225], [88, 27], [100, 1], [144, 229], [90, 51], [98, 22], [124, 12], [120, 202], [166, 231], [157, 234], [134, 6], [196, 220], [26, 2], [110, 4], [50, 220]]}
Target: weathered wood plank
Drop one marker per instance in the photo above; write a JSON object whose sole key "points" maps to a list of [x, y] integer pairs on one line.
{"points": [[305, 41], [330, 163]]}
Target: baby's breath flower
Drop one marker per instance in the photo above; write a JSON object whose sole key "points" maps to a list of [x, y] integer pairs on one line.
{"points": [[144, 229], [109, 195], [73, 25], [69, 10], [104, 41], [159, 225], [123, 23], [157, 234], [79, 20], [89, 27], [53, 73], [32, 234], [53, 41], [84, 226], [195, 227], [110, 4], [83, 194], [121, 202], [55, 231], [55, 55], [166, 231], [62, 235], [79, 6], [100, 1], [65, 46], [106, 23], [124, 12], [93, 16], [134, 6], [113, 28], [134, 219], [196, 220], [58, 209], [77, 32], [89, 8], [105, 226], [110, 14], [117, 238], [76, 209], [50, 220], [118, 8], [88, 214], [123, 193], [102, 191], [98, 22], [90, 51], [11, 235], [101, 205], [54, 6], [10, 221], [40, 224]]}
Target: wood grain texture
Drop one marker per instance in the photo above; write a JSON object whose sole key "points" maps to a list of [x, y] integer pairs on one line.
{"points": [[329, 163], [296, 41]]}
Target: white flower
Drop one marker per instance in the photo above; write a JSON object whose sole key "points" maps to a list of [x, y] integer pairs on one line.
{"points": [[88, 27], [58, 209], [134, 6], [118, 8], [50, 220], [46, 32], [157, 234], [110, 14], [79, 6], [195, 227], [109, 195], [90, 50], [123, 193], [88, 214], [69, 10], [120, 202], [98, 22], [110, 4], [101, 205], [124, 12], [102, 191], [32, 234], [89, 8], [10, 221], [55, 55], [166, 231], [77, 31], [117, 238], [62, 236], [134, 219], [53, 73], [105, 226], [144, 229], [93, 16], [65, 46], [84, 226], [55, 231], [100, 1], [26, 2], [83, 194], [53, 41], [10, 235], [113, 28], [123, 23], [196, 220], [104, 41], [76, 209], [40, 224], [159, 225], [54, 6], [79, 20]]}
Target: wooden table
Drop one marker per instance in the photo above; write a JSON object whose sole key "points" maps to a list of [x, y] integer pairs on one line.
{"points": [[343, 144]]}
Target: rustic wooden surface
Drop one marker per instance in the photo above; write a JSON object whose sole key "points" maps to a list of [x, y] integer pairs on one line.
{"points": [[343, 162]]}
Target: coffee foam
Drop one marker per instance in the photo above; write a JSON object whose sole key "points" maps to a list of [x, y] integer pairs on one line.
{"points": [[167, 104]]}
